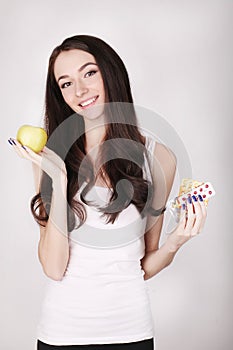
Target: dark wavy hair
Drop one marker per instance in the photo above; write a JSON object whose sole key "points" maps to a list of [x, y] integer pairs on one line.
{"points": [[121, 166]]}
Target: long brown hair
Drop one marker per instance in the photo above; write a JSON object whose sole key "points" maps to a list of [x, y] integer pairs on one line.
{"points": [[117, 89]]}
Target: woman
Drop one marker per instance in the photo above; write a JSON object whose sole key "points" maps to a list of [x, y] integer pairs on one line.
{"points": [[97, 298]]}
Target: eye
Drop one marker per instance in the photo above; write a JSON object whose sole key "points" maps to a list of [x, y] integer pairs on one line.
{"points": [[63, 86], [90, 72]]}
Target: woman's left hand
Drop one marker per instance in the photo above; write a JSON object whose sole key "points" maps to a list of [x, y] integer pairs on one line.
{"points": [[192, 220]]}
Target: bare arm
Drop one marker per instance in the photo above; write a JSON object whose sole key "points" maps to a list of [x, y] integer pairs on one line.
{"points": [[155, 261], [53, 246], [53, 249], [192, 218], [163, 171]]}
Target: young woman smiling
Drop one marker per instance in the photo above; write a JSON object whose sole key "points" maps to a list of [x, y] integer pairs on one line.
{"points": [[97, 298]]}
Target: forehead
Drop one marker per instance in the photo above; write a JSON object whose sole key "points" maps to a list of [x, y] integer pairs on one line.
{"points": [[68, 61]]}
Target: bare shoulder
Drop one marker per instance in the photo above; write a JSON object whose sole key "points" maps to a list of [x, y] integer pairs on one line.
{"points": [[164, 163], [165, 156], [163, 172]]}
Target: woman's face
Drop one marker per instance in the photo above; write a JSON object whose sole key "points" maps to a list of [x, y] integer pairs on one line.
{"points": [[80, 81]]}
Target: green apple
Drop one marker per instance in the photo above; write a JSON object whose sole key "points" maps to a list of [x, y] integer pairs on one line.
{"points": [[33, 137]]}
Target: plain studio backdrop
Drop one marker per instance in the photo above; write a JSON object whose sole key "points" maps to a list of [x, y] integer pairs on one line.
{"points": [[179, 58]]}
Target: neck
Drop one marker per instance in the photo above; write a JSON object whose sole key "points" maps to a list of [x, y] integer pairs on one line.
{"points": [[95, 132]]}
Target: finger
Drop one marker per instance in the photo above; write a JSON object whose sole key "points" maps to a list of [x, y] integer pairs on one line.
{"points": [[21, 148], [191, 217], [24, 147], [183, 218], [26, 152], [17, 147], [204, 211], [198, 219]]}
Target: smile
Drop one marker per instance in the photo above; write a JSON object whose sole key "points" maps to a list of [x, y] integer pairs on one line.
{"points": [[89, 102]]}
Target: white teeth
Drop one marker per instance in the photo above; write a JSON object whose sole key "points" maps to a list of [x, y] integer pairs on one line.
{"points": [[88, 102]]}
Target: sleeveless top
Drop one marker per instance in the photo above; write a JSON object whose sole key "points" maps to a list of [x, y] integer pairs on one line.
{"points": [[102, 297]]}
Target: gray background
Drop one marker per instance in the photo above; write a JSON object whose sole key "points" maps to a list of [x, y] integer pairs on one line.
{"points": [[179, 58]]}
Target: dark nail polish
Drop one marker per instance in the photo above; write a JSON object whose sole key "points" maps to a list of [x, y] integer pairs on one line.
{"points": [[200, 197], [194, 197], [183, 206], [189, 199], [24, 147], [13, 141], [10, 142]]}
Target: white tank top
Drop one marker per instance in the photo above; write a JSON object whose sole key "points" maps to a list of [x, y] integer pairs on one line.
{"points": [[103, 297]]}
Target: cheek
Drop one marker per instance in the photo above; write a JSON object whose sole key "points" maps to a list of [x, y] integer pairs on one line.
{"points": [[67, 97], [98, 83], [101, 87]]}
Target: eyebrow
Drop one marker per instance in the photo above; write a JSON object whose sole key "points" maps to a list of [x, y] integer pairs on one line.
{"points": [[79, 70]]}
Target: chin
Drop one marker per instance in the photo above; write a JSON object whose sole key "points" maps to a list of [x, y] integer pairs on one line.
{"points": [[92, 113]]}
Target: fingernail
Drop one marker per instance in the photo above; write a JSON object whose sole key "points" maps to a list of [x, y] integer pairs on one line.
{"points": [[200, 197], [183, 206], [24, 147], [13, 141], [189, 199], [194, 197], [10, 142]]}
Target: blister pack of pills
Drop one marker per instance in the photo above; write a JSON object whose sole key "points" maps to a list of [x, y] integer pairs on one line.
{"points": [[188, 188]]}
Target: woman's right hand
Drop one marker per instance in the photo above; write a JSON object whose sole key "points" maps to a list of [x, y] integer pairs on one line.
{"points": [[47, 160], [192, 219]]}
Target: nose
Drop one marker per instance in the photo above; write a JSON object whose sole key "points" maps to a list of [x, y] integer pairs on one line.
{"points": [[80, 89]]}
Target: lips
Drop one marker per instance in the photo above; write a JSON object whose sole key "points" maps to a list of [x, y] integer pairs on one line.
{"points": [[88, 102]]}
